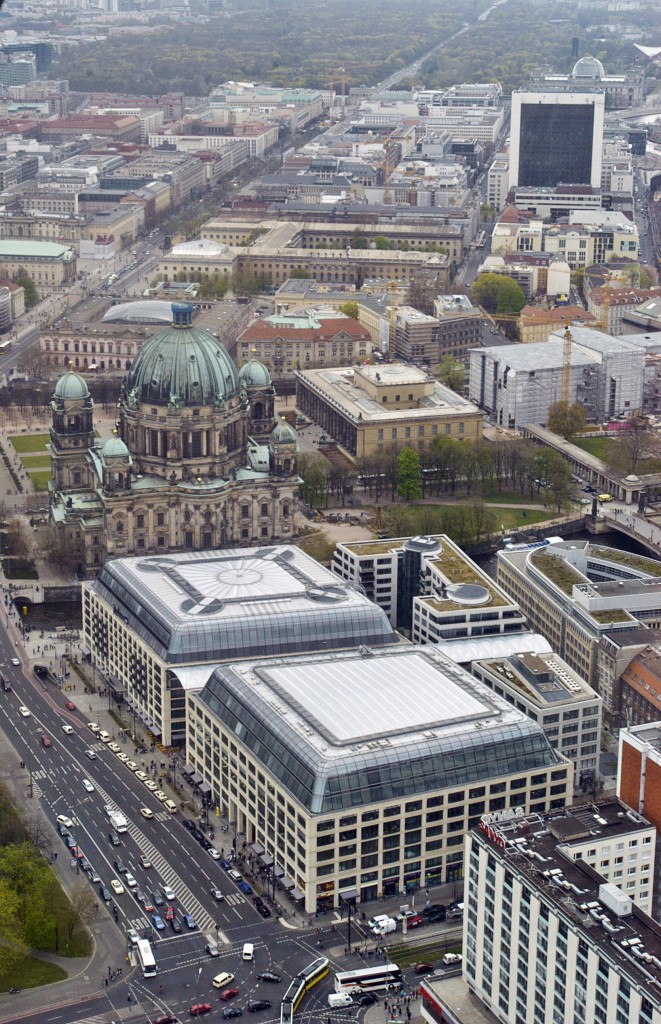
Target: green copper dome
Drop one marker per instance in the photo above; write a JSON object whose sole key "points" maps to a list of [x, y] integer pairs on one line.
{"points": [[115, 448], [282, 433], [71, 388], [254, 374], [182, 365]]}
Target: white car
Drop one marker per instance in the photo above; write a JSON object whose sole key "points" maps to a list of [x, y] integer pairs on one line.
{"points": [[68, 729], [168, 894], [150, 784], [15, 661], [90, 755], [123, 757], [24, 712], [130, 880], [452, 958], [87, 786], [117, 886], [146, 812], [132, 936], [213, 852], [160, 795], [64, 819]]}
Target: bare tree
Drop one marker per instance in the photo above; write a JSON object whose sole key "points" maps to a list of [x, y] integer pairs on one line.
{"points": [[81, 908], [39, 833]]}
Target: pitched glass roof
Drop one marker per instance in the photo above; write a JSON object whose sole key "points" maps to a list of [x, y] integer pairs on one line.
{"points": [[209, 606], [345, 729]]}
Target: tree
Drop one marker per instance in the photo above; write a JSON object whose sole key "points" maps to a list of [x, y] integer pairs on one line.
{"points": [[487, 212], [408, 475], [565, 419], [350, 309], [398, 521], [315, 470], [498, 293], [300, 275], [16, 540], [422, 291], [81, 908], [634, 443], [451, 373], [381, 242], [31, 293]]}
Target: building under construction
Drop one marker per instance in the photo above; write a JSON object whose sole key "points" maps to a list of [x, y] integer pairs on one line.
{"points": [[517, 384]]}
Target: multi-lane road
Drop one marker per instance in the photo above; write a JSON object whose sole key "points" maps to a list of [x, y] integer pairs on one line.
{"points": [[177, 860]]}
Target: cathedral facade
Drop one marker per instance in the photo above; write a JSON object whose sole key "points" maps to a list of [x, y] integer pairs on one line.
{"points": [[198, 460]]}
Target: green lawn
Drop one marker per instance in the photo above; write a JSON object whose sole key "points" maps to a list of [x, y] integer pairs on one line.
{"points": [[509, 518], [406, 955], [30, 442], [602, 446], [30, 973], [40, 479], [36, 461], [512, 498]]}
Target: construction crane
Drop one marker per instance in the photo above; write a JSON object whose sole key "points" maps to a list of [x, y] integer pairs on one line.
{"points": [[566, 364], [392, 287]]}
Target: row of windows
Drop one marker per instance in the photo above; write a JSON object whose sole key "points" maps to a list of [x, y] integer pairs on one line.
{"points": [[407, 431]]}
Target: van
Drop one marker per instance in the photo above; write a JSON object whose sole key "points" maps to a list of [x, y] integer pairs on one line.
{"points": [[222, 979], [337, 999], [248, 951], [170, 806], [235, 875], [104, 736], [604, 497]]}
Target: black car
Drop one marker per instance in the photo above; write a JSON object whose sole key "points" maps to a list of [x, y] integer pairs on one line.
{"points": [[121, 867], [156, 898], [196, 834], [232, 1011], [259, 1004], [187, 823], [436, 916], [114, 839], [432, 909], [367, 999], [63, 830], [105, 894], [175, 926], [262, 909], [205, 844], [270, 976]]}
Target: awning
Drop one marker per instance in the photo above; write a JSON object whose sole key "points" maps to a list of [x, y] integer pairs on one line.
{"points": [[286, 883], [278, 872], [196, 779], [155, 732], [297, 895], [256, 848], [205, 788], [85, 651], [187, 770], [266, 860]]}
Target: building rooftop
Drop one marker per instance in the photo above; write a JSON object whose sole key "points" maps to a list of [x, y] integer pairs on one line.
{"points": [[503, 645], [417, 722], [543, 355], [341, 387], [206, 607], [576, 892], [23, 249], [544, 680]]}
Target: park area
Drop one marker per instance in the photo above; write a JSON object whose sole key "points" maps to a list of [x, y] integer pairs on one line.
{"points": [[33, 453]]}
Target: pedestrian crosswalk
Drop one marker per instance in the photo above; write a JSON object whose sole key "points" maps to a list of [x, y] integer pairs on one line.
{"points": [[193, 906]]}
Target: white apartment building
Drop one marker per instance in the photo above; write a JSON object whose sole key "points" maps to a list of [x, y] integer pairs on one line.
{"points": [[546, 689], [498, 182], [430, 586], [549, 939]]}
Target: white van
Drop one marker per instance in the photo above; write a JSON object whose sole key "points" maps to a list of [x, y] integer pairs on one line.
{"points": [[248, 951], [103, 736], [337, 999]]}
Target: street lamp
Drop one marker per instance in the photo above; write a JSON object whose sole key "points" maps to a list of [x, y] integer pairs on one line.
{"points": [[348, 899], [197, 985]]}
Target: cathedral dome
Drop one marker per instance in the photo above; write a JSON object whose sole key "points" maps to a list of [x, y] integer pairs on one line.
{"points": [[182, 365], [588, 67], [254, 374], [71, 387], [115, 448], [282, 433]]}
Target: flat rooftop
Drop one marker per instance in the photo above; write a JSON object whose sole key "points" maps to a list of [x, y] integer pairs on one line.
{"points": [[545, 680], [341, 388], [572, 889]]}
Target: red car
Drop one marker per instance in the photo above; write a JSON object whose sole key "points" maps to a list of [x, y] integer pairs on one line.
{"points": [[149, 906], [167, 1019], [199, 1008], [229, 993], [423, 968], [169, 913], [415, 921], [45, 742], [70, 706]]}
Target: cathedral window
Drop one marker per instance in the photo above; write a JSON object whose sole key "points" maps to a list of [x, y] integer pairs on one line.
{"points": [[140, 521], [120, 527], [161, 542], [245, 511], [76, 476], [265, 509], [187, 516], [285, 510], [160, 519], [244, 532]]}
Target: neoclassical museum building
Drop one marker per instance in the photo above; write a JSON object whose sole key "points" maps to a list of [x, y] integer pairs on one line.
{"points": [[198, 460]]}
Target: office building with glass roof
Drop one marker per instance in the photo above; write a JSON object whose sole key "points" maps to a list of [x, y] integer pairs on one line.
{"points": [[364, 769], [158, 626]]}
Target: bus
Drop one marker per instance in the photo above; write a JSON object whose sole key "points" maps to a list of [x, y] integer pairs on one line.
{"points": [[302, 983], [481, 239], [368, 979], [5, 346], [146, 958]]}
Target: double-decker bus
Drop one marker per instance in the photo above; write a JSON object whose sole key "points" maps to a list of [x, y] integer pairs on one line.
{"points": [[146, 958], [368, 979]]}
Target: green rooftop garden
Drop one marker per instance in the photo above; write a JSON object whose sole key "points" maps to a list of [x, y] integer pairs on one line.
{"points": [[638, 562], [611, 615], [558, 571]]}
